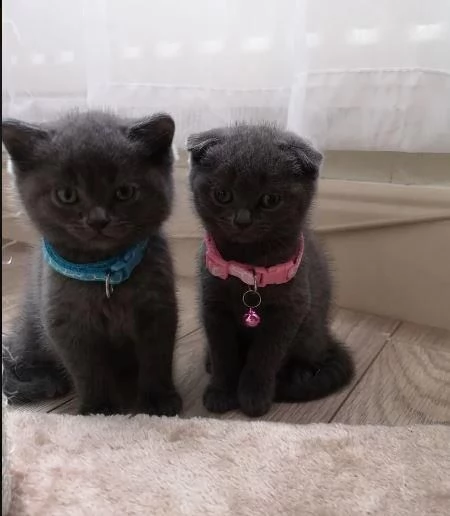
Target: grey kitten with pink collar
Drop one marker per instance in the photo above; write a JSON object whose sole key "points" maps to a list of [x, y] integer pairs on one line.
{"points": [[265, 285]]}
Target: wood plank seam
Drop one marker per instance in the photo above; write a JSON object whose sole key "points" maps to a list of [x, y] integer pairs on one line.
{"points": [[389, 337], [60, 404]]}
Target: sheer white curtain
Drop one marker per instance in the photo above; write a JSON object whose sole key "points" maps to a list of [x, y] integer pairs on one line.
{"points": [[353, 74]]}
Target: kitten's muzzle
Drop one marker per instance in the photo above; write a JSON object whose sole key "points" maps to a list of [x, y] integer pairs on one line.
{"points": [[98, 219], [242, 219]]}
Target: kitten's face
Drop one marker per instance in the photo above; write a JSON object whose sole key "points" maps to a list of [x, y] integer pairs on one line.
{"points": [[252, 183], [93, 181]]}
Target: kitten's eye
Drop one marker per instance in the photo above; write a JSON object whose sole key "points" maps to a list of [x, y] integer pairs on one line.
{"points": [[270, 201], [222, 196], [67, 195], [125, 192]]}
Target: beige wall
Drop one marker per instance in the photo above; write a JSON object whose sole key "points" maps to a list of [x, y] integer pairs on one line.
{"points": [[382, 167], [388, 167]]}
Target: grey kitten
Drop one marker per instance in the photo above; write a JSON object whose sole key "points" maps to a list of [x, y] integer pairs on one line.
{"points": [[94, 185], [253, 187]]}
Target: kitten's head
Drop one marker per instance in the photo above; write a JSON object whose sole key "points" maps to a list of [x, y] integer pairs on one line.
{"points": [[93, 181], [252, 183]]}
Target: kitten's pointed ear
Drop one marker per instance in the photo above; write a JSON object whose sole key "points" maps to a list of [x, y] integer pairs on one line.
{"points": [[307, 158], [21, 139], [198, 144], [155, 132]]}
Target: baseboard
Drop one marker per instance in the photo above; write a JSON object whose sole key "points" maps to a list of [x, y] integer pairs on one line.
{"points": [[390, 248]]}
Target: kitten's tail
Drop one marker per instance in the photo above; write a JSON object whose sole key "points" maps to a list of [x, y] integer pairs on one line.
{"points": [[332, 374], [23, 381]]}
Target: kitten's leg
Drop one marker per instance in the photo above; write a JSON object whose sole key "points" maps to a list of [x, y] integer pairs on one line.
{"points": [[208, 367], [225, 359], [157, 394], [93, 377], [126, 370], [31, 371], [311, 377], [271, 340], [86, 355]]}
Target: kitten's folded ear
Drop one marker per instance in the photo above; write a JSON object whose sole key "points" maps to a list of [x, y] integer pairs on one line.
{"points": [[198, 144], [21, 139], [308, 159], [155, 132]]}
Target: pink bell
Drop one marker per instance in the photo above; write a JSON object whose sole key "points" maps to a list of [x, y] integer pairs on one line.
{"points": [[251, 318]]}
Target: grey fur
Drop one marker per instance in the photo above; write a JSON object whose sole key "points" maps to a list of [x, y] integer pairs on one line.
{"points": [[291, 355], [117, 352]]}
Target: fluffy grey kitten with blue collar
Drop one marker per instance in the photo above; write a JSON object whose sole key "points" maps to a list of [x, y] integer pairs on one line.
{"points": [[99, 310]]}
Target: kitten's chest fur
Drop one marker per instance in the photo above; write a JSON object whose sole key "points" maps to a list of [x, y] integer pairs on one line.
{"points": [[147, 291], [87, 304], [307, 292]]}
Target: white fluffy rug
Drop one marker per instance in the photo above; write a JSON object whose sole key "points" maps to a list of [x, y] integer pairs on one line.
{"points": [[98, 466]]}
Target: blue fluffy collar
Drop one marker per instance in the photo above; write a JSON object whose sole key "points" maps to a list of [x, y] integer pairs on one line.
{"points": [[113, 271]]}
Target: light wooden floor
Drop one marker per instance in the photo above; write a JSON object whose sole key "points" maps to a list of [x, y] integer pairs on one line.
{"points": [[403, 370]]}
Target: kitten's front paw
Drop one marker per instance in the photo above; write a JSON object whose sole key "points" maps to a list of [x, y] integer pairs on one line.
{"points": [[255, 397], [219, 401], [162, 404], [91, 409]]}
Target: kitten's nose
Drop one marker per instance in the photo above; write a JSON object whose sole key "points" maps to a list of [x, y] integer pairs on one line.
{"points": [[242, 219], [98, 219]]}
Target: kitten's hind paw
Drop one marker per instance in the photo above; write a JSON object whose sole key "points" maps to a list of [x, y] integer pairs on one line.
{"points": [[162, 404], [219, 401], [299, 382], [33, 384]]}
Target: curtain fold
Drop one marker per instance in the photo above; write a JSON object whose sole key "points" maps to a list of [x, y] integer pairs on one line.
{"points": [[353, 75]]}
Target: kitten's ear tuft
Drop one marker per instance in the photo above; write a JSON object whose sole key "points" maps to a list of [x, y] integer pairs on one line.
{"points": [[21, 139], [155, 132], [308, 159], [198, 144]]}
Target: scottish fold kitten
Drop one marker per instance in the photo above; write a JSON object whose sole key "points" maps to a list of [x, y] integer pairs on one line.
{"points": [[253, 187], [98, 189]]}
